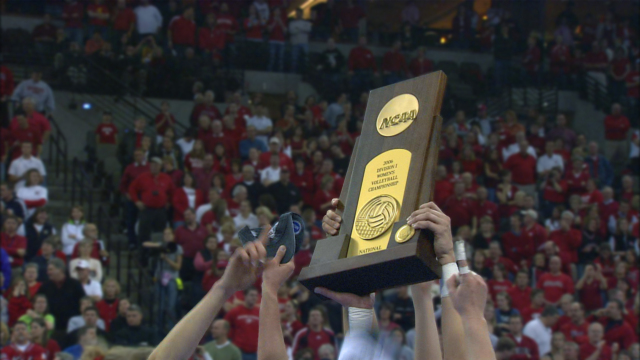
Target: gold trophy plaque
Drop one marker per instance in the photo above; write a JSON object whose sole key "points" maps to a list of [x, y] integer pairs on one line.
{"points": [[389, 176]]}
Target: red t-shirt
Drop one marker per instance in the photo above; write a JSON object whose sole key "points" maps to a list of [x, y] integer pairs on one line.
{"points": [[191, 241], [107, 133], [459, 210], [153, 191], [108, 311], [575, 333], [515, 248], [487, 208], [443, 190], [36, 121], [123, 19], [520, 298], [306, 338], [227, 23], [11, 244], [577, 183], [361, 58], [633, 77], [32, 352], [419, 67], [568, 242], [496, 287], [211, 39], [535, 236], [101, 9], [253, 29], [526, 347], [72, 15], [183, 31], [244, 326], [523, 168], [21, 135], [587, 350], [277, 31], [555, 286], [616, 127]]}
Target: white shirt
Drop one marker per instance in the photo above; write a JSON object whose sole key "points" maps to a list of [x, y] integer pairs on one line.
{"points": [[95, 269], [148, 19], [21, 165], [32, 193], [185, 146], [541, 334], [77, 322], [261, 123], [546, 163], [299, 30], [71, 228], [269, 175], [92, 288], [251, 221], [191, 196], [514, 149]]}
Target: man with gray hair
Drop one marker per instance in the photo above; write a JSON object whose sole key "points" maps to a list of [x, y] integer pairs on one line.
{"points": [[36, 89], [254, 188], [63, 293], [220, 347]]}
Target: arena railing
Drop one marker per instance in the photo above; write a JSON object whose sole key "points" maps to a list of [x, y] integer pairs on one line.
{"points": [[58, 152]]}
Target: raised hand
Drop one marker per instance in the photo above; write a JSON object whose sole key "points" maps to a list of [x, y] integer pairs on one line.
{"points": [[468, 293], [245, 264], [429, 216], [275, 274], [332, 220]]}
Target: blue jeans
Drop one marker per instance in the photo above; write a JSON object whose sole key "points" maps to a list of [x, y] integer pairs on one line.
{"points": [[249, 356], [276, 49], [167, 297], [361, 80], [295, 50], [76, 35]]}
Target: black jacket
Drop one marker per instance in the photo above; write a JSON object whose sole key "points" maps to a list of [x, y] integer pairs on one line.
{"points": [[64, 301]]}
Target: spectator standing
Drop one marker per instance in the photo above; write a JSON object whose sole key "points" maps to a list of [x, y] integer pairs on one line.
{"points": [[220, 347], [394, 65], [148, 19], [362, 68], [14, 244], [331, 65], [299, 30], [182, 32], [523, 169], [618, 71], [165, 120], [555, 283], [277, 30], [107, 132], [212, 38], [191, 237], [151, 193], [562, 131], [25, 132], [131, 172], [350, 16], [243, 321], [262, 9], [540, 329], [207, 108], [131, 140], [44, 36], [73, 230], [616, 128], [38, 90], [600, 168], [73, 15], [124, 20], [229, 25], [63, 294], [98, 15], [421, 65]]}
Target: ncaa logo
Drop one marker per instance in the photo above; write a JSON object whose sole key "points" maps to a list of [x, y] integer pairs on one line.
{"points": [[297, 227]]}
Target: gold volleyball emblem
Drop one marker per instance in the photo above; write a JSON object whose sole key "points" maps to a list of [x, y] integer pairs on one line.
{"points": [[405, 233], [376, 217]]}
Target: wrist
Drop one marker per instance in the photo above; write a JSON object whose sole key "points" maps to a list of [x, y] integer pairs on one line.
{"points": [[447, 258], [226, 291]]}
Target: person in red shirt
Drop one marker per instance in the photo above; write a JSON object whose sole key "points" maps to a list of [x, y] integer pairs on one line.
{"points": [[207, 107], [98, 14], [595, 348], [21, 348], [443, 187], [362, 65], [108, 306], [106, 132], [191, 237], [151, 193], [617, 330], [182, 32], [458, 207], [314, 335], [483, 207], [14, 244], [420, 65], [532, 232], [520, 292], [515, 248], [532, 59], [523, 168], [495, 257], [596, 59], [567, 238], [36, 120], [576, 177], [25, 133], [124, 20], [616, 128], [524, 345], [73, 14], [349, 17], [555, 283], [277, 28], [618, 71], [394, 65], [576, 330], [253, 26], [131, 172], [211, 38], [499, 282], [243, 322], [537, 305], [165, 120]]}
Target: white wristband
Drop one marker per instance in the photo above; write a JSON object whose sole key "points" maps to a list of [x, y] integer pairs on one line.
{"points": [[464, 270], [448, 271], [360, 319], [461, 253]]}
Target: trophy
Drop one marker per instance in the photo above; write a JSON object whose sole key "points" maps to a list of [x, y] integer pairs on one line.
{"points": [[389, 176]]}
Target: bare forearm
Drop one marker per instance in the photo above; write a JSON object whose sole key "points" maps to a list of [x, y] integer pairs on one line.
{"points": [[428, 346], [183, 339], [453, 332], [477, 339], [270, 339]]}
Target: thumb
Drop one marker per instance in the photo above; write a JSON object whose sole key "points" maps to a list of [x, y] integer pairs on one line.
{"points": [[280, 254]]}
